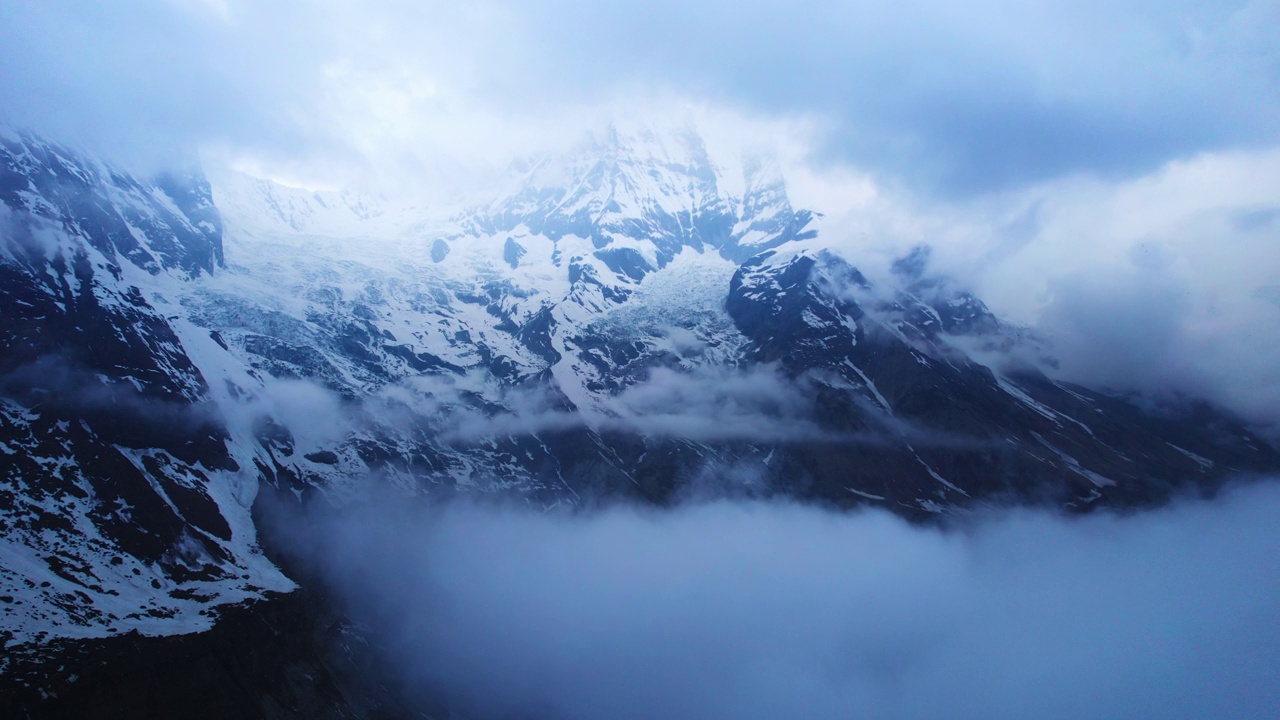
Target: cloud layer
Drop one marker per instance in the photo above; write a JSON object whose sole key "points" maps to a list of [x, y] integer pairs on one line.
{"points": [[763, 611], [969, 97], [708, 404], [958, 98]]}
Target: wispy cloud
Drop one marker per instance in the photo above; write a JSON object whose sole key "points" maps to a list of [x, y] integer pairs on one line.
{"points": [[712, 404]]}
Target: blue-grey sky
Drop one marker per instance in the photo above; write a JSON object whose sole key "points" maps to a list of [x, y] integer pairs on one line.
{"points": [[957, 98]]}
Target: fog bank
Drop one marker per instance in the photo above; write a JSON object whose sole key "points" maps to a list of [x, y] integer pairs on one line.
{"points": [[754, 610]]}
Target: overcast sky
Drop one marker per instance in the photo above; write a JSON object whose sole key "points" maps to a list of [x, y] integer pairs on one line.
{"points": [[957, 97], [1105, 170]]}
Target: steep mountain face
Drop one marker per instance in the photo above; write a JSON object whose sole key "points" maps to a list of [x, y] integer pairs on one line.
{"points": [[632, 320], [120, 506]]}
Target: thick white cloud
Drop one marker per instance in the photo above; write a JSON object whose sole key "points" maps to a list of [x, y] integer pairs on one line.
{"points": [[765, 611]]}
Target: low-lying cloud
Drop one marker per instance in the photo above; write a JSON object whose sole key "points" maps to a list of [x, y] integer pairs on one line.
{"points": [[756, 403], [116, 407], [753, 610], [710, 404]]}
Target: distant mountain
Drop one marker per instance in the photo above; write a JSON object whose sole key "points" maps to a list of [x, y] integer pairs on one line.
{"points": [[633, 319]]}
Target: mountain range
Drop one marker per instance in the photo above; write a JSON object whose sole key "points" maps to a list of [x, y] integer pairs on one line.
{"points": [[631, 321]]}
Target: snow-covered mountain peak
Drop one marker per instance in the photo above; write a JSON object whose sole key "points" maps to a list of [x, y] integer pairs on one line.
{"points": [[643, 197]]}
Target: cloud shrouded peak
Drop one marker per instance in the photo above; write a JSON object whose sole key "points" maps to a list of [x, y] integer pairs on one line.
{"points": [[1062, 158]]}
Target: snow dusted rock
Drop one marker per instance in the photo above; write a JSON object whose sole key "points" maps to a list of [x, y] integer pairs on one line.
{"points": [[120, 506]]}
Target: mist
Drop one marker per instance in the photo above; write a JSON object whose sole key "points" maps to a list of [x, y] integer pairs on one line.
{"points": [[704, 403], [755, 610]]}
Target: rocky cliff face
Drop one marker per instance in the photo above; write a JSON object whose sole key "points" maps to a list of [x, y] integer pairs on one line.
{"points": [[632, 320]]}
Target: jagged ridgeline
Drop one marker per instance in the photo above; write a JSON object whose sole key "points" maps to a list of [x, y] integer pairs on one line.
{"points": [[636, 319]]}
